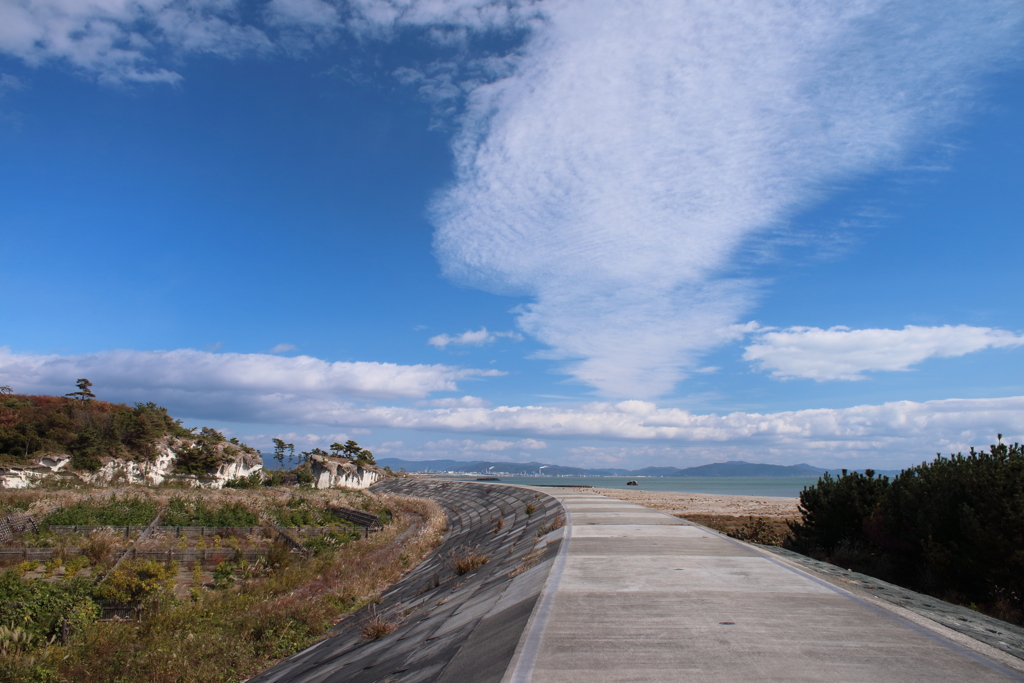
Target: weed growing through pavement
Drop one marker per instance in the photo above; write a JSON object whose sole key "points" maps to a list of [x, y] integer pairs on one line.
{"points": [[376, 626], [465, 560]]}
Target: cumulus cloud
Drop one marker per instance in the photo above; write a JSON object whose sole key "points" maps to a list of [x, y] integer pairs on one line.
{"points": [[471, 338], [897, 432], [615, 175], [840, 353], [244, 386], [945, 424]]}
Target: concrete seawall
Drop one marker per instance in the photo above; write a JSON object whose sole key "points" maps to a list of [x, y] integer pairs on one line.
{"points": [[623, 594], [453, 629]]}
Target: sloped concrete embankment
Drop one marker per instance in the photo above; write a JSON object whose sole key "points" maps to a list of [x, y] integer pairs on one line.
{"points": [[450, 628]]}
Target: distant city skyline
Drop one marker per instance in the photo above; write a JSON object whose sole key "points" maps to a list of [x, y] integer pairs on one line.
{"points": [[592, 234]]}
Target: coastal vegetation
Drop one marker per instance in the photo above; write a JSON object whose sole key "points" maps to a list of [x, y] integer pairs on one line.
{"points": [[952, 528], [247, 599], [93, 432], [85, 429]]}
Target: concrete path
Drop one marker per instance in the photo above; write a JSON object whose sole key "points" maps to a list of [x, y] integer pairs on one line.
{"points": [[637, 595]]}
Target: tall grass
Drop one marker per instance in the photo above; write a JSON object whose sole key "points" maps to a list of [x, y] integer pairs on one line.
{"points": [[229, 635]]}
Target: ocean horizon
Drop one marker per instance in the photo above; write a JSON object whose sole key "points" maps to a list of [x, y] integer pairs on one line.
{"points": [[784, 487]]}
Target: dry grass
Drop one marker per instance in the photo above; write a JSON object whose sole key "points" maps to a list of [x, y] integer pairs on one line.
{"points": [[764, 530], [529, 562], [231, 634], [375, 626], [465, 560], [556, 523]]}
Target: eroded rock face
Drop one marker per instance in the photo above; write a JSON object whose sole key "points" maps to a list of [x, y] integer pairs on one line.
{"points": [[331, 472], [129, 471]]}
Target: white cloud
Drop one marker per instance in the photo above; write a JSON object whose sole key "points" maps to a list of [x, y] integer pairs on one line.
{"points": [[227, 385], [471, 338], [260, 388], [636, 148], [8, 83], [115, 38], [464, 402], [281, 348], [123, 40], [842, 353], [493, 445], [617, 171], [900, 432], [950, 424]]}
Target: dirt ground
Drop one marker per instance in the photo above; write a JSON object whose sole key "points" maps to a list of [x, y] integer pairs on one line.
{"points": [[708, 503], [723, 512]]}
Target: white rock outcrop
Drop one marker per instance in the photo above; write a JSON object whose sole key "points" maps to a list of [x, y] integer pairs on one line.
{"points": [[129, 471], [330, 472]]}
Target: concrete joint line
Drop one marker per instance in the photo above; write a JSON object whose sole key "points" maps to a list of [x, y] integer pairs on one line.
{"points": [[525, 657], [933, 630]]}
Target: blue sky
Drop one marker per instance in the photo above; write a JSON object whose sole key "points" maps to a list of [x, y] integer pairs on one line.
{"points": [[599, 234]]}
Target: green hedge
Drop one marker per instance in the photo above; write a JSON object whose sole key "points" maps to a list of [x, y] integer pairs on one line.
{"points": [[953, 527]]}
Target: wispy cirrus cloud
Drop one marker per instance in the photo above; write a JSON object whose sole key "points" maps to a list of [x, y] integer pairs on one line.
{"points": [[618, 161], [615, 175], [840, 353], [471, 338]]}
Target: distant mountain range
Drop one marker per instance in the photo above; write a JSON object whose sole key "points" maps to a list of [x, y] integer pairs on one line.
{"points": [[733, 468]]}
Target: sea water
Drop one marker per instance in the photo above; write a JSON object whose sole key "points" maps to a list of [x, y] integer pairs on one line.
{"points": [[785, 487]]}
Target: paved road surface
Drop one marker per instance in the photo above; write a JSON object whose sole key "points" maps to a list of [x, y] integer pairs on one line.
{"points": [[636, 595]]}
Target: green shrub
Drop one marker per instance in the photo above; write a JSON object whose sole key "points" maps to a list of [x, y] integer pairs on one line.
{"points": [[87, 430], [190, 511], [835, 509], [953, 527], [40, 606], [137, 580], [124, 511], [254, 480], [331, 540]]}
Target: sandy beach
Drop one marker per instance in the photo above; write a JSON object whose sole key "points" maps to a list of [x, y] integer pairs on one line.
{"points": [[708, 504]]}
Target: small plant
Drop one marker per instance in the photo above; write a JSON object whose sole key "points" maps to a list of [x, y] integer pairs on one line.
{"points": [[529, 562], [224, 574], [466, 561], [546, 529], [25, 567], [100, 548], [530, 509], [51, 565], [499, 524], [75, 565], [376, 626]]}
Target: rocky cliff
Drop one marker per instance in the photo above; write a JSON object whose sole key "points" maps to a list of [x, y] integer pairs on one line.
{"points": [[330, 472], [239, 464]]}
